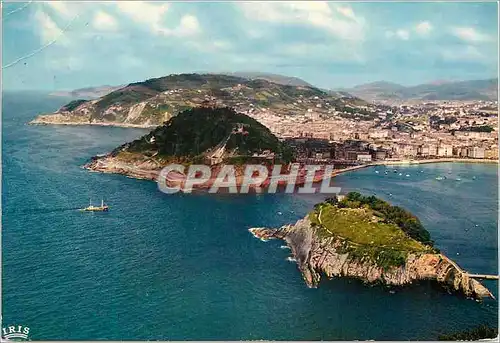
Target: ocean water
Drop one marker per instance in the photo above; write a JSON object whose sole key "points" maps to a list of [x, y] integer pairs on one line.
{"points": [[185, 267]]}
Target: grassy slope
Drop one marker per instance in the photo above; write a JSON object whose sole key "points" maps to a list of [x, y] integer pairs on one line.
{"points": [[363, 227], [365, 236]]}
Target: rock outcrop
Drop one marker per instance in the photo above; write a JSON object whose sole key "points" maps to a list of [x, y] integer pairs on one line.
{"points": [[317, 255]]}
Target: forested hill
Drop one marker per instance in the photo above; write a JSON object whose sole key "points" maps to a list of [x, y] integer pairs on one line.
{"points": [[202, 132]]}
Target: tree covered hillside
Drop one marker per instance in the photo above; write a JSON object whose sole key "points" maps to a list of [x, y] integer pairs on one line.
{"points": [[199, 132]]}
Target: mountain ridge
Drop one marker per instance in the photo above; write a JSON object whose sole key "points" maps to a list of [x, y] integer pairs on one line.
{"points": [[486, 89], [152, 102]]}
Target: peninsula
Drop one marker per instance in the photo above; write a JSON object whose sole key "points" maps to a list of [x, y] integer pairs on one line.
{"points": [[369, 239], [152, 102], [202, 135]]}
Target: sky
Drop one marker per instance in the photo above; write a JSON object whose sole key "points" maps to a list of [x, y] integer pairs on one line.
{"points": [[59, 45]]}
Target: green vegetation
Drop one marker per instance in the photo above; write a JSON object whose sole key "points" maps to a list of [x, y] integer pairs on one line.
{"points": [[124, 96], [353, 112], [483, 128], [391, 214], [195, 131], [73, 104], [184, 91], [190, 81], [151, 112], [366, 232], [477, 333]]}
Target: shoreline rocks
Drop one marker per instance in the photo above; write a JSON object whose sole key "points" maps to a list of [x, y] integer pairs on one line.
{"points": [[317, 256], [59, 119]]}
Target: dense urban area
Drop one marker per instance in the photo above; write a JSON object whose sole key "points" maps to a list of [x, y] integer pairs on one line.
{"points": [[322, 126], [426, 130]]}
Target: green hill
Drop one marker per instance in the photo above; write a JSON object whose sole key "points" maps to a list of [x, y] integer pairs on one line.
{"points": [[154, 101], [198, 133], [460, 90]]}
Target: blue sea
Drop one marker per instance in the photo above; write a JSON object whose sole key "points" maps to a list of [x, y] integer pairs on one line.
{"points": [[185, 267]]}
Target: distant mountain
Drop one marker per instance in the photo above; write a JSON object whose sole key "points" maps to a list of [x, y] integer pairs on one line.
{"points": [[88, 92], [154, 101], [461, 90], [276, 78]]}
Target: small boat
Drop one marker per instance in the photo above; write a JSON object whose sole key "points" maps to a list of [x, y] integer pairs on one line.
{"points": [[400, 174], [376, 171], [92, 208], [458, 179], [407, 175], [440, 178]]}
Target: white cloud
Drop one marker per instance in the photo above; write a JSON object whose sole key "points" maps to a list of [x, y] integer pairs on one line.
{"points": [[403, 34], [148, 14], [62, 8], [152, 14], [48, 29], [470, 34], [400, 34], [188, 26], [423, 28], [222, 44], [209, 46], [104, 21], [342, 22], [66, 63], [255, 33], [468, 53], [346, 12], [321, 51]]}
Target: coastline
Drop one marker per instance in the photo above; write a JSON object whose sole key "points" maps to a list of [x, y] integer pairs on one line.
{"points": [[318, 256], [414, 162], [75, 123], [148, 169], [437, 160]]}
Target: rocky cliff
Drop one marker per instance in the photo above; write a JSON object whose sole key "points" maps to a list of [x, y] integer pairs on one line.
{"points": [[317, 255]]}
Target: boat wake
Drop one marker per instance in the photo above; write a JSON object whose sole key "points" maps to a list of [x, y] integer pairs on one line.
{"points": [[44, 210]]}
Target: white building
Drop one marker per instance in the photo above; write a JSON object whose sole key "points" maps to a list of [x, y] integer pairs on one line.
{"points": [[364, 158], [475, 152]]}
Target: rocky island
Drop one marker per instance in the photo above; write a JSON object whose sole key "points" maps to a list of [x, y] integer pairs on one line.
{"points": [[367, 238]]}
